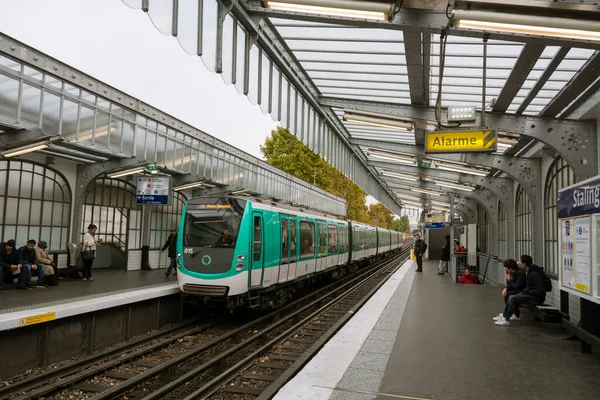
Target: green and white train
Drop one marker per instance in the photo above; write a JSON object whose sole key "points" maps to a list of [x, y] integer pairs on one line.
{"points": [[247, 251]]}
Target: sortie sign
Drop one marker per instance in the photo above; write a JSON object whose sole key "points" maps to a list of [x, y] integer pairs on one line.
{"points": [[460, 141]]}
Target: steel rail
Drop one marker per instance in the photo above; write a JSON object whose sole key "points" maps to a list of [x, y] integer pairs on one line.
{"points": [[34, 381], [215, 384]]}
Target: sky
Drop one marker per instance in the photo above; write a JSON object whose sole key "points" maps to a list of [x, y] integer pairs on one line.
{"points": [[121, 47]]}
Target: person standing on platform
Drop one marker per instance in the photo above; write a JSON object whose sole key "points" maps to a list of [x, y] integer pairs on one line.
{"points": [[534, 292], [445, 256], [88, 253], [171, 244], [419, 249]]}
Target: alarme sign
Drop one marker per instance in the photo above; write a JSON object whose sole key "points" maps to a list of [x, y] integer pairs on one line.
{"points": [[460, 141]]}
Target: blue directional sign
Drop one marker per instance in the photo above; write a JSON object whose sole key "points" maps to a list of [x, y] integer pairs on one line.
{"points": [[437, 225], [154, 190]]}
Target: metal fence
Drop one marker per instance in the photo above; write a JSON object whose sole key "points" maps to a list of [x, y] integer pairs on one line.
{"points": [[488, 268]]}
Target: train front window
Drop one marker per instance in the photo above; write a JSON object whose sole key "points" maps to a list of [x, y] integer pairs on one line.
{"points": [[213, 222]]}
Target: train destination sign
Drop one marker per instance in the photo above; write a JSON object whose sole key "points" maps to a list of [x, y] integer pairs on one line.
{"points": [[461, 141]]}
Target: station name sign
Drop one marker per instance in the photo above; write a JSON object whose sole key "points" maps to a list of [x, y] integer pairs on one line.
{"points": [[581, 199], [461, 141]]}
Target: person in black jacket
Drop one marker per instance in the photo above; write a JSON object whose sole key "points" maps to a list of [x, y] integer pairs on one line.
{"points": [[419, 248], [10, 260], [515, 283], [30, 263], [445, 256], [534, 291], [171, 244]]}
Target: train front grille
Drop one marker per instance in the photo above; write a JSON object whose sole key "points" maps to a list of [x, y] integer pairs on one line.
{"points": [[204, 290]]}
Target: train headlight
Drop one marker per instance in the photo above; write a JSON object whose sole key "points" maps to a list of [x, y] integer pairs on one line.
{"points": [[239, 267], [240, 258]]}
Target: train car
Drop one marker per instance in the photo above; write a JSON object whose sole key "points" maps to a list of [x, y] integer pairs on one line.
{"points": [[253, 252]]}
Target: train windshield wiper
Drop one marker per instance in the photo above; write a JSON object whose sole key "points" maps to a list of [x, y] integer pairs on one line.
{"points": [[201, 250]]}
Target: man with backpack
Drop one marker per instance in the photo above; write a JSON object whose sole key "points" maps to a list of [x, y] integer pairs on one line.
{"points": [[537, 284], [419, 249]]}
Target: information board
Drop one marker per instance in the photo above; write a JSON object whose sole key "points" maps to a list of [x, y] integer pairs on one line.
{"points": [[567, 253], [583, 255], [153, 190]]}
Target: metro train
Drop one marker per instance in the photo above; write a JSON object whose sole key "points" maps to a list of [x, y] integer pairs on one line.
{"points": [[252, 252]]}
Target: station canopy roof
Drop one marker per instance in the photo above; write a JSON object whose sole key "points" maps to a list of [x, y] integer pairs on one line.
{"points": [[347, 58]]}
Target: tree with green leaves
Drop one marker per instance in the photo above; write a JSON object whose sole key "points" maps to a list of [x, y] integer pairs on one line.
{"points": [[286, 152], [379, 215]]}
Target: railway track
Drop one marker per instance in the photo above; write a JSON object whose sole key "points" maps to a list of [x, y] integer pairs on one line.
{"points": [[175, 363]]}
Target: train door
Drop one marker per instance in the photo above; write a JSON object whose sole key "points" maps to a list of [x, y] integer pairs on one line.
{"points": [[257, 270], [293, 232]]}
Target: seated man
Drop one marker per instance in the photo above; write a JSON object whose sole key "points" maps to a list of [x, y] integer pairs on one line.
{"points": [[226, 239], [468, 278], [533, 293], [44, 262], [10, 260], [515, 283], [306, 249], [29, 261]]}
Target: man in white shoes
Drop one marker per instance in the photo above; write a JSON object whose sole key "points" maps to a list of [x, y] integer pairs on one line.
{"points": [[516, 279], [534, 292]]}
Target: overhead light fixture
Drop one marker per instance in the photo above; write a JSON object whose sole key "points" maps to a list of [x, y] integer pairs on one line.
{"points": [[527, 24], [412, 203], [17, 151], [439, 203], [403, 197], [406, 177], [456, 114], [187, 186], [426, 191], [391, 157], [458, 168], [379, 120], [455, 186], [119, 174], [241, 191], [340, 8]]}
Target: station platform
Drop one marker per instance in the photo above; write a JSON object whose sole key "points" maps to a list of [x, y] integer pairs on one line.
{"points": [[72, 297], [421, 336]]}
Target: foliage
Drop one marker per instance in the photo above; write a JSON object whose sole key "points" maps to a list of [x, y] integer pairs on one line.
{"points": [[402, 224], [286, 152], [380, 215]]}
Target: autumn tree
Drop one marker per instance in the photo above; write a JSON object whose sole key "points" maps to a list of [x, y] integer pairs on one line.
{"points": [[286, 152], [379, 215]]}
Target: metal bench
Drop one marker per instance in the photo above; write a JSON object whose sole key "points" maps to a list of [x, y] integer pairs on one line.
{"points": [[588, 340], [546, 313]]}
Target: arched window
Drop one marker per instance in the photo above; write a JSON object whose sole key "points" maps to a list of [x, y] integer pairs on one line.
{"points": [[111, 205], [524, 223], [502, 243], [165, 218], [35, 203], [559, 176]]}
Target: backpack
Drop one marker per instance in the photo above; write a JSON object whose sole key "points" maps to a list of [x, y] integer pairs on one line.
{"points": [[547, 281]]}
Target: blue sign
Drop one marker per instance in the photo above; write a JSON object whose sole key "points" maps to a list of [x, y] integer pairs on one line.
{"points": [[437, 225], [153, 190], [583, 199], [154, 199]]}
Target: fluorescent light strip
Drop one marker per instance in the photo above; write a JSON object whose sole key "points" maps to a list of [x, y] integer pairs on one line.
{"points": [[410, 178], [24, 149], [392, 157], [125, 173], [379, 122], [458, 187], [340, 12], [407, 197], [426, 191], [527, 24], [439, 203], [187, 186], [456, 168]]}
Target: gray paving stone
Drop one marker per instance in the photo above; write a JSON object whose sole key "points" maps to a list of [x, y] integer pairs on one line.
{"points": [[381, 334], [387, 325], [342, 395], [370, 361], [361, 379], [378, 346]]}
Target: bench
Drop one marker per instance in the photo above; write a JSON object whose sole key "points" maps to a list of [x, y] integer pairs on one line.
{"points": [[546, 313], [588, 340]]}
